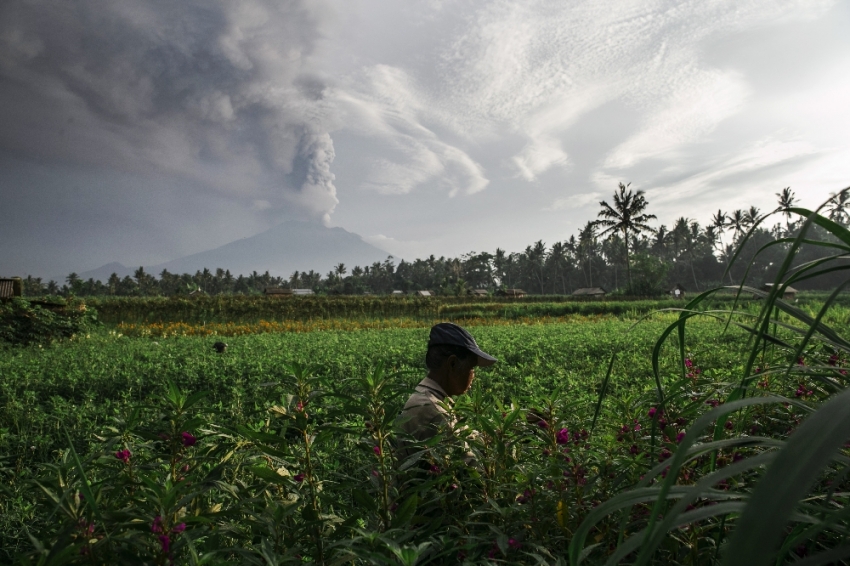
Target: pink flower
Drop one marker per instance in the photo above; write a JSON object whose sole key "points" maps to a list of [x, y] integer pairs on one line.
{"points": [[525, 497], [156, 526], [375, 473], [299, 478], [680, 436], [179, 528], [634, 449], [546, 452], [637, 427], [562, 436], [513, 543], [123, 455], [712, 402], [299, 407], [652, 411], [689, 363], [376, 450], [542, 424], [165, 542], [728, 425], [435, 469], [188, 439]]}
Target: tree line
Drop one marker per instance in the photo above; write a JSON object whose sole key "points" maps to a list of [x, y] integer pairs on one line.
{"points": [[619, 251]]}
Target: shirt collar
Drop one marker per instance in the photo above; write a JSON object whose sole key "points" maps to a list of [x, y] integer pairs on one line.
{"points": [[433, 386]]}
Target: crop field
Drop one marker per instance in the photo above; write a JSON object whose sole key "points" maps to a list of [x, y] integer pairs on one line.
{"points": [[137, 442]]}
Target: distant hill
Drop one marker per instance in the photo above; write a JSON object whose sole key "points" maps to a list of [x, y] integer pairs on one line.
{"points": [[280, 250]]}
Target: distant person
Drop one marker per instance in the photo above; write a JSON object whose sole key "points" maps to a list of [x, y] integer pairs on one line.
{"points": [[451, 360]]}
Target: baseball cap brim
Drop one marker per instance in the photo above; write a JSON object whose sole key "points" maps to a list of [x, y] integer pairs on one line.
{"points": [[484, 359]]}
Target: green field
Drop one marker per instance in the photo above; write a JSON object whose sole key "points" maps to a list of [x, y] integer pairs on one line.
{"points": [[265, 483]]}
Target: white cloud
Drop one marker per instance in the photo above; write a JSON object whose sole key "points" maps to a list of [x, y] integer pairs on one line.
{"points": [[574, 201], [387, 110]]}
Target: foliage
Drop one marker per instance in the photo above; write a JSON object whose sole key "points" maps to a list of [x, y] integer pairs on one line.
{"points": [[24, 322], [716, 435]]}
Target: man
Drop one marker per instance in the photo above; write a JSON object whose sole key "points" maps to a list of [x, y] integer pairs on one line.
{"points": [[451, 360]]}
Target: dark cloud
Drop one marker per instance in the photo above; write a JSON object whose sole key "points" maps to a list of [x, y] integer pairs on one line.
{"points": [[221, 94]]}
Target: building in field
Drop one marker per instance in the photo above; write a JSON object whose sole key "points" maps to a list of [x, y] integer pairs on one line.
{"points": [[302, 292], [11, 287], [789, 294], [397, 293], [480, 293], [677, 292], [422, 293], [590, 292], [277, 292], [511, 293]]}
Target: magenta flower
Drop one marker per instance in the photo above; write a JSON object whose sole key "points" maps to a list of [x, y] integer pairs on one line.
{"points": [[679, 437], [123, 455], [179, 528], [165, 542], [375, 473], [689, 363], [542, 424], [562, 436], [435, 469], [634, 449], [637, 427], [188, 439], [652, 411], [513, 543], [525, 497], [376, 450], [299, 478], [712, 402], [156, 526], [728, 425], [546, 451]]}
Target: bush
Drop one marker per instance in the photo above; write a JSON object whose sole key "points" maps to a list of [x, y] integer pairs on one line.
{"points": [[25, 322]]}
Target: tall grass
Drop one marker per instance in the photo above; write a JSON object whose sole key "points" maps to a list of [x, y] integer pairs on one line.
{"points": [[783, 497]]}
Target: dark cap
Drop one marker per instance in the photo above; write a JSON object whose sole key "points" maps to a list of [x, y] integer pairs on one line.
{"points": [[450, 334]]}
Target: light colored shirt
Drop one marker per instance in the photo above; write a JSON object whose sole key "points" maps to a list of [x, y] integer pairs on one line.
{"points": [[423, 415]]}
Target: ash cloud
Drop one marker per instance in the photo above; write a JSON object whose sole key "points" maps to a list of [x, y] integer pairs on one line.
{"points": [[221, 94]]}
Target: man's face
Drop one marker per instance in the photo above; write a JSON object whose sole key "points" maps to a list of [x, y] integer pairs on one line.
{"points": [[461, 374]]}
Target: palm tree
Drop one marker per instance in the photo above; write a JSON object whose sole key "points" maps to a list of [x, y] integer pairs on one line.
{"points": [[838, 205], [627, 217], [719, 222], [535, 257], [786, 202], [752, 216], [587, 248], [738, 222]]}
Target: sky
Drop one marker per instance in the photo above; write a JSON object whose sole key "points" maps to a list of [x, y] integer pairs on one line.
{"points": [[141, 131]]}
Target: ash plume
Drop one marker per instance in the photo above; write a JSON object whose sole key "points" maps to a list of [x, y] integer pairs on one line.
{"points": [[222, 94]]}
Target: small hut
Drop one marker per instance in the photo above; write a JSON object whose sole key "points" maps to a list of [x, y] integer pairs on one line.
{"points": [[11, 287], [302, 292], [422, 293], [590, 292], [677, 292], [511, 293], [480, 293], [789, 294], [277, 292], [397, 293]]}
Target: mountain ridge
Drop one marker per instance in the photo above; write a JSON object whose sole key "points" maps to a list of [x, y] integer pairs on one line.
{"points": [[295, 245]]}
